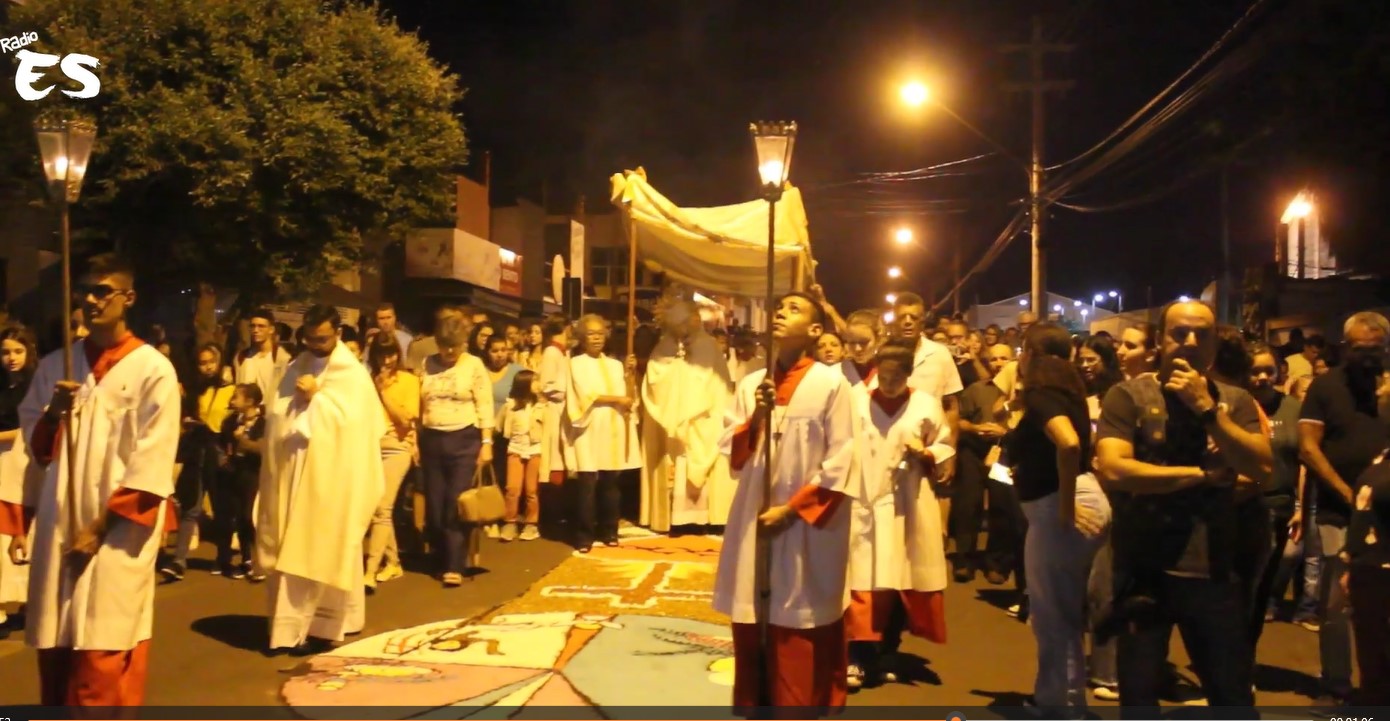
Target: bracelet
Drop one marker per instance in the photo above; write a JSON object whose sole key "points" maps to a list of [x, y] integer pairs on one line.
{"points": [[487, 441]]}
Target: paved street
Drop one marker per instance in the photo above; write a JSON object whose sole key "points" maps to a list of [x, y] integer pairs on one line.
{"points": [[210, 632]]}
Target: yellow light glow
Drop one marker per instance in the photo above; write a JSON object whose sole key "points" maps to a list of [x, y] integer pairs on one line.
{"points": [[895, 272], [1301, 207], [771, 173], [891, 298], [915, 94], [889, 317], [903, 236]]}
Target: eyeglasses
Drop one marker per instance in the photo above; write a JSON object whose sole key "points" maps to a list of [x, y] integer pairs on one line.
{"points": [[1180, 334]]}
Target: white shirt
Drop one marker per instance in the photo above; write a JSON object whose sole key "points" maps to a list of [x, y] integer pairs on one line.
{"points": [[264, 369], [934, 370]]}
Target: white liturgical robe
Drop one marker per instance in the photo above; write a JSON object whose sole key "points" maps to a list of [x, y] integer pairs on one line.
{"points": [[557, 456], [685, 478], [813, 445], [604, 438], [18, 478], [897, 539], [126, 434], [321, 480]]}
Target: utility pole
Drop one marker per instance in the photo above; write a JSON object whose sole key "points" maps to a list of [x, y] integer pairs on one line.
{"points": [[1223, 284], [1038, 85]]}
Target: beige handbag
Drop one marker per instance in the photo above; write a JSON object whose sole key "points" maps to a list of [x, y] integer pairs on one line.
{"points": [[483, 503]]}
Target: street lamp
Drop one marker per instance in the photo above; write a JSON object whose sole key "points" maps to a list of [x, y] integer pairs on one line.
{"points": [[903, 236], [1300, 207], [1057, 308], [915, 94], [773, 143], [1099, 298], [891, 298], [1119, 301], [65, 147], [1184, 299], [895, 272]]}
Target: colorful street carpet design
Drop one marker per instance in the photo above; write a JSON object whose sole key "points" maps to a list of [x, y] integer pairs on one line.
{"points": [[624, 626]]}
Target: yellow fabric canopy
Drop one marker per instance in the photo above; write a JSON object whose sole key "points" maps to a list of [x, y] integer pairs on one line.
{"points": [[721, 249]]}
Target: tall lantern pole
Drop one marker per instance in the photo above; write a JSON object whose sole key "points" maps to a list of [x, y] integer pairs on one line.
{"points": [[65, 147], [773, 143]]}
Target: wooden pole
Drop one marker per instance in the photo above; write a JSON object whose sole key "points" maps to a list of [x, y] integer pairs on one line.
{"points": [[631, 277], [763, 563], [69, 439]]}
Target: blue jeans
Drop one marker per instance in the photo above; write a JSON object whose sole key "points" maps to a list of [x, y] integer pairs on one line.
{"points": [[1058, 562]]}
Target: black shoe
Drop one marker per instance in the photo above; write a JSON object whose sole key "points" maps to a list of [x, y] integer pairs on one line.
{"points": [[586, 549], [964, 574], [172, 572], [312, 647], [996, 578], [611, 543], [1326, 705], [236, 573]]}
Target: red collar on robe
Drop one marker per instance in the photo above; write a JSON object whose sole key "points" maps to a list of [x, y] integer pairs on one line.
{"points": [[787, 380], [866, 371], [102, 360], [891, 406]]}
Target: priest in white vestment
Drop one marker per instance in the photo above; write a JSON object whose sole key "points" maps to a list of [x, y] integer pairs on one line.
{"points": [[321, 479], [97, 530], [685, 477], [602, 418], [805, 523], [557, 457], [897, 547]]}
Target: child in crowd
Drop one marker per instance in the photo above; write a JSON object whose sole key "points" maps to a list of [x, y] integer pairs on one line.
{"points": [[242, 438], [521, 425], [830, 349]]}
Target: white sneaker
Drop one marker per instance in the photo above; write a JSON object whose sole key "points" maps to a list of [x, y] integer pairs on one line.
{"points": [[509, 532], [530, 533], [855, 677], [491, 530]]}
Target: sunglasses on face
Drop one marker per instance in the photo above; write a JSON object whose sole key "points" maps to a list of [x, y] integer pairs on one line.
{"points": [[99, 291], [1180, 334]]}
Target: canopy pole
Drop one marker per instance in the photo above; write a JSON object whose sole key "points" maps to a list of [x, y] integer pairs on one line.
{"points": [[631, 277]]}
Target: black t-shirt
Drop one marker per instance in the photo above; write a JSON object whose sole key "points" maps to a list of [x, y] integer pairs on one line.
{"points": [[1351, 440], [1190, 532], [1034, 456], [977, 406], [968, 375], [242, 461]]}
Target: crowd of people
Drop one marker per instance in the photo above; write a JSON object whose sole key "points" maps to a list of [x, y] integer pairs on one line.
{"points": [[1177, 475]]}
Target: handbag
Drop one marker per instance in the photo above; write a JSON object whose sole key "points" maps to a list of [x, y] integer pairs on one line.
{"points": [[483, 503]]}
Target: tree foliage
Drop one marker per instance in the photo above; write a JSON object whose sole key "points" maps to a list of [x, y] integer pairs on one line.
{"points": [[252, 143]]}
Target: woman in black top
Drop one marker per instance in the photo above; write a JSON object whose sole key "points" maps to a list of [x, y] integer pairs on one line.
{"points": [[1067, 513], [18, 359]]}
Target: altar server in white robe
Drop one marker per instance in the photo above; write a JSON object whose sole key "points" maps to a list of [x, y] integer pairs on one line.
{"points": [[600, 408], [898, 556], [863, 335], [321, 479], [685, 391], [804, 525], [97, 531], [557, 456]]}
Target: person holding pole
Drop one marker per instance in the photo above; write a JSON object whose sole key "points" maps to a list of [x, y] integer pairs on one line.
{"points": [[782, 568], [101, 511]]}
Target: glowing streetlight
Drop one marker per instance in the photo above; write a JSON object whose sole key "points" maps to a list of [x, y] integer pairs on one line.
{"points": [[1099, 298], [891, 298], [895, 272], [1057, 308], [1301, 207], [1076, 303], [1184, 299], [1084, 313], [889, 317], [1023, 301], [1119, 301], [903, 236], [915, 94]]}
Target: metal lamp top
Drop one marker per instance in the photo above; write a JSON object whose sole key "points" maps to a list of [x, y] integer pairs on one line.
{"points": [[773, 141], [66, 149]]}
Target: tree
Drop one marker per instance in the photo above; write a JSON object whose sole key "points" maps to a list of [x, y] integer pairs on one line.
{"points": [[251, 143]]}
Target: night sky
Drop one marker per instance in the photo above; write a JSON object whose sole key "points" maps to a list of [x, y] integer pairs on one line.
{"points": [[565, 93]]}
